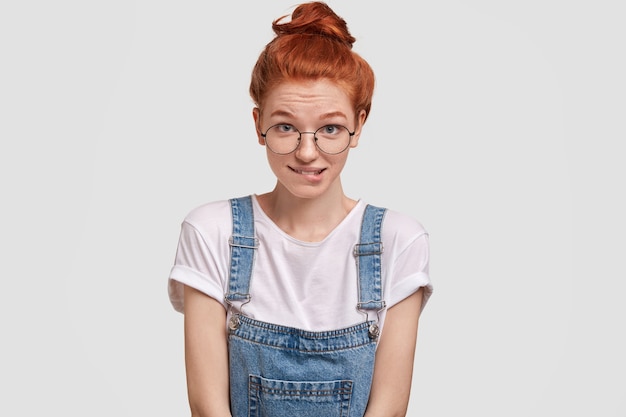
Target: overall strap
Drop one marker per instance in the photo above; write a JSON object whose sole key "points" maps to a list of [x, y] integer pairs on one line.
{"points": [[242, 246], [368, 258]]}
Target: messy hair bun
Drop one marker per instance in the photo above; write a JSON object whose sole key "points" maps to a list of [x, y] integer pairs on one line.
{"points": [[315, 19], [314, 44]]}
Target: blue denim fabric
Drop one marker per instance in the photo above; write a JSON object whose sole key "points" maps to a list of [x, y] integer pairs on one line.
{"points": [[242, 244], [368, 255], [278, 371]]}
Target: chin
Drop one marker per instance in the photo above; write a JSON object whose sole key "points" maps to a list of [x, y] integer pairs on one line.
{"points": [[305, 192]]}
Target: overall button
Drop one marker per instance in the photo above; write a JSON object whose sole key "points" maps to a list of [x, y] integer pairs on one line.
{"points": [[374, 331], [234, 322]]}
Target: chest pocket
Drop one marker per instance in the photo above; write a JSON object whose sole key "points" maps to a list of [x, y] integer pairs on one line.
{"points": [[276, 398]]}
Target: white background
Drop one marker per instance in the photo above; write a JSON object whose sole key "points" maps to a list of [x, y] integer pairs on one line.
{"points": [[498, 124]]}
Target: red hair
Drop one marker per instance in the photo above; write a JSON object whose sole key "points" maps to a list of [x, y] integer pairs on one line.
{"points": [[314, 44]]}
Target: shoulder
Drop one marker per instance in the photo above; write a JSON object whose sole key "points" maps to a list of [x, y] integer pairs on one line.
{"points": [[208, 211], [210, 217], [401, 226]]}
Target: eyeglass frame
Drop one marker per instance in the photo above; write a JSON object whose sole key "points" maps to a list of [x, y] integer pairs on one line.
{"points": [[264, 136]]}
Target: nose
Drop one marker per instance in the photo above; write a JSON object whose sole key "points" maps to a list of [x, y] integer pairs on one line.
{"points": [[307, 149]]}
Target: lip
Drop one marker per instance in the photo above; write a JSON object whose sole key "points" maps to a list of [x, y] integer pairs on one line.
{"points": [[307, 171]]}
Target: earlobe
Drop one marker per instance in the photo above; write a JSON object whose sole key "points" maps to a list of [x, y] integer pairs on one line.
{"points": [[256, 115]]}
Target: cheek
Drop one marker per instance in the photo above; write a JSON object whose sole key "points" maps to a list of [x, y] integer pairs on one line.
{"points": [[337, 162], [273, 160], [341, 158]]}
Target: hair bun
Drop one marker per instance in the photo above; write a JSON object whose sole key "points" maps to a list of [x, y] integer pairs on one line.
{"points": [[315, 18]]}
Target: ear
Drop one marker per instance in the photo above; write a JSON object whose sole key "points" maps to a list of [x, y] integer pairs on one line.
{"points": [[256, 115], [360, 121]]}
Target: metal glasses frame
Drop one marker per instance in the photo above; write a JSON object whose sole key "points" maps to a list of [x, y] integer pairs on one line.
{"points": [[264, 135]]}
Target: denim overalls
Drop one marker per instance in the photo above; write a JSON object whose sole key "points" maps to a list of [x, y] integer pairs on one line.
{"points": [[278, 371]]}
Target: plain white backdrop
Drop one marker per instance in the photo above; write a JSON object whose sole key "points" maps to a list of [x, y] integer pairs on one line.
{"points": [[499, 125]]}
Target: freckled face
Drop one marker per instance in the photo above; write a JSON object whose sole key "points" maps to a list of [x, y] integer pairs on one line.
{"points": [[307, 172]]}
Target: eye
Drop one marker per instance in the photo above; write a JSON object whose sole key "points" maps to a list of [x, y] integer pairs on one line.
{"points": [[330, 129], [284, 128]]}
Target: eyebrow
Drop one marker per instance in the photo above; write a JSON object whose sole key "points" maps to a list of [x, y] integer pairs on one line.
{"points": [[333, 114], [281, 113], [324, 116]]}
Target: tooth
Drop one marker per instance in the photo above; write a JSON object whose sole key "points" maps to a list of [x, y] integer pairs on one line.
{"points": [[299, 171]]}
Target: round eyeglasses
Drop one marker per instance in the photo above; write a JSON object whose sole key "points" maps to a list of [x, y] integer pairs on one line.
{"points": [[285, 138]]}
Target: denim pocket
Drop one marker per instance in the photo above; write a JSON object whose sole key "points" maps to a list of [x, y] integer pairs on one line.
{"points": [[274, 398]]}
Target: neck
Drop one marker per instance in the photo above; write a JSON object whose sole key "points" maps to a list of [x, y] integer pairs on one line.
{"points": [[306, 219]]}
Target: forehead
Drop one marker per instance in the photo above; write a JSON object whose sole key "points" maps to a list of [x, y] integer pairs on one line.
{"points": [[307, 98]]}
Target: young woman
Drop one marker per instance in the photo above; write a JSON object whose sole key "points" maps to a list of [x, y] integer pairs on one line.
{"points": [[302, 301]]}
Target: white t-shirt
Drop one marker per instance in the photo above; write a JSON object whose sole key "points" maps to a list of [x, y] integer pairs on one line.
{"points": [[307, 285]]}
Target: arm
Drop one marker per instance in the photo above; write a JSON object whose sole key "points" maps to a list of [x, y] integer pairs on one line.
{"points": [[206, 355], [393, 369]]}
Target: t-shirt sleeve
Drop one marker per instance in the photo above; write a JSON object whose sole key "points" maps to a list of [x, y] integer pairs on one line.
{"points": [[196, 265], [411, 272], [408, 269]]}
